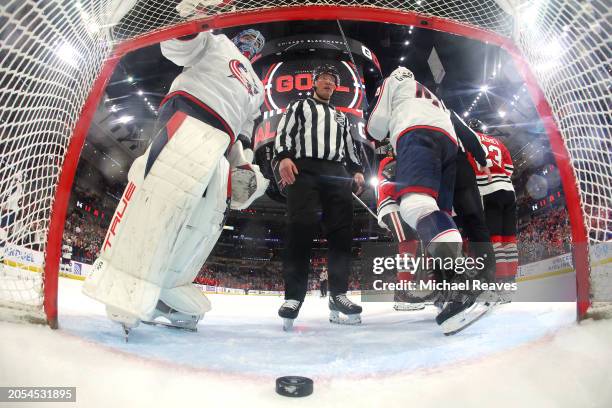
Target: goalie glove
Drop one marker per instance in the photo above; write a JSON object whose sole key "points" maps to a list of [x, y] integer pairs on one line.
{"points": [[115, 10], [247, 181], [187, 8]]}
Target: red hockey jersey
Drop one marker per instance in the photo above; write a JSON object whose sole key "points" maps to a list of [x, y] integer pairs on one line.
{"points": [[501, 168]]}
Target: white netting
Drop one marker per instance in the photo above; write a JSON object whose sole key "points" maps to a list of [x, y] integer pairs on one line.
{"points": [[52, 51], [49, 57]]}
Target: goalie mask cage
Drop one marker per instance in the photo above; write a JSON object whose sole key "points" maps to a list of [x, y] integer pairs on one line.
{"points": [[57, 56]]}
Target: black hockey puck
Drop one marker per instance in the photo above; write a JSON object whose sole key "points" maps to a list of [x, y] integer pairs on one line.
{"points": [[294, 386]]}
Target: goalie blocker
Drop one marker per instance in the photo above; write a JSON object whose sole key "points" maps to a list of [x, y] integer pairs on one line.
{"points": [[170, 217]]}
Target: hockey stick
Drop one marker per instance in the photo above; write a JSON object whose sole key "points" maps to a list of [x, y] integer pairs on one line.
{"points": [[361, 86], [364, 205]]}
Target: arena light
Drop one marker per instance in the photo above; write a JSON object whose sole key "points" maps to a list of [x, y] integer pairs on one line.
{"points": [[466, 114], [68, 54], [140, 92], [501, 113], [125, 119], [484, 88], [484, 127], [92, 27], [130, 79], [374, 181], [406, 42]]}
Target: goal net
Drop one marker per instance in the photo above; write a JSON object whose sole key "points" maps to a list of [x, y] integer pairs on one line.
{"points": [[57, 56]]}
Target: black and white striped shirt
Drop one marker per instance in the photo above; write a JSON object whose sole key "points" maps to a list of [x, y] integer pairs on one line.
{"points": [[314, 129]]}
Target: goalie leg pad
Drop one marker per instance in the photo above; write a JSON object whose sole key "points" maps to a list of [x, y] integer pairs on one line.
{"points": [[200, 233], [186, 299], [195, 241], [148, 220]]}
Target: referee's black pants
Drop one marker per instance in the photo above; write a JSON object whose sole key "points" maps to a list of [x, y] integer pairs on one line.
{"points": [[323, 287], [326, 185], [470, 214]]}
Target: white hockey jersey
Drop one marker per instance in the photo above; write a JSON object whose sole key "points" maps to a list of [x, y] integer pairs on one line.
{"points": [[402, 104], [218, 75]]}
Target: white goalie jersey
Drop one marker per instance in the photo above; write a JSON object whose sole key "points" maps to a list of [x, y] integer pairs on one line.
{"points": [[402, 104], [209, 61]]}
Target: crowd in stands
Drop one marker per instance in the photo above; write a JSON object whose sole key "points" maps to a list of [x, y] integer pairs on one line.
{"points": [[544, 236], [85, 235], [239, 274]]}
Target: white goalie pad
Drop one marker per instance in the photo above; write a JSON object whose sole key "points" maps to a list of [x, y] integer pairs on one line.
{"points": [[116, 10], [248, 183], [200, 233], [186, 299], [187, 8], [149, 223]]}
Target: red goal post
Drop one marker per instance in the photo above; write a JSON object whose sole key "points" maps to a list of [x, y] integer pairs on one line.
{"points": [[58, 57]]}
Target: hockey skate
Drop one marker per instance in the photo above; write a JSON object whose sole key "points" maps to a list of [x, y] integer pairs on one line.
{"points": [[461, 310], [341, 304], [406, 302], [289, 311], [505, 296], [175, 319]]}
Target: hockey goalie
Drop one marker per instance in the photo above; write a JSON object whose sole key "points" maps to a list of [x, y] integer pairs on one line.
{"points": [[179, 192]]}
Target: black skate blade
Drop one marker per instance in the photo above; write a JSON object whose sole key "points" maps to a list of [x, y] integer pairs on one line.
{"points": [[170, 325], [126, 332], [471, 322]]}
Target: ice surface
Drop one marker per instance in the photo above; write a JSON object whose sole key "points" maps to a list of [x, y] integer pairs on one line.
{"points": [[527, 354]]}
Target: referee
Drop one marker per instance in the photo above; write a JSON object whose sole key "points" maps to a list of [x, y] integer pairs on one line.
{"points": [[318, 165]]}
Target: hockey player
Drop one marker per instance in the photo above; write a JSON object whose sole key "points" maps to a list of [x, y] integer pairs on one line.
{"points": [[388, 213], [176, 201], [425, 144], [499, 202], [467, 203]]}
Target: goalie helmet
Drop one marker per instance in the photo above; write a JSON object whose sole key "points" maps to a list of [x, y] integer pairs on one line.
{"points": [[326, 69], [249, 42]]}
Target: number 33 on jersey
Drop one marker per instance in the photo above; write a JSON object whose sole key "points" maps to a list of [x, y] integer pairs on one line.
{"points": [[402, 104]]}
